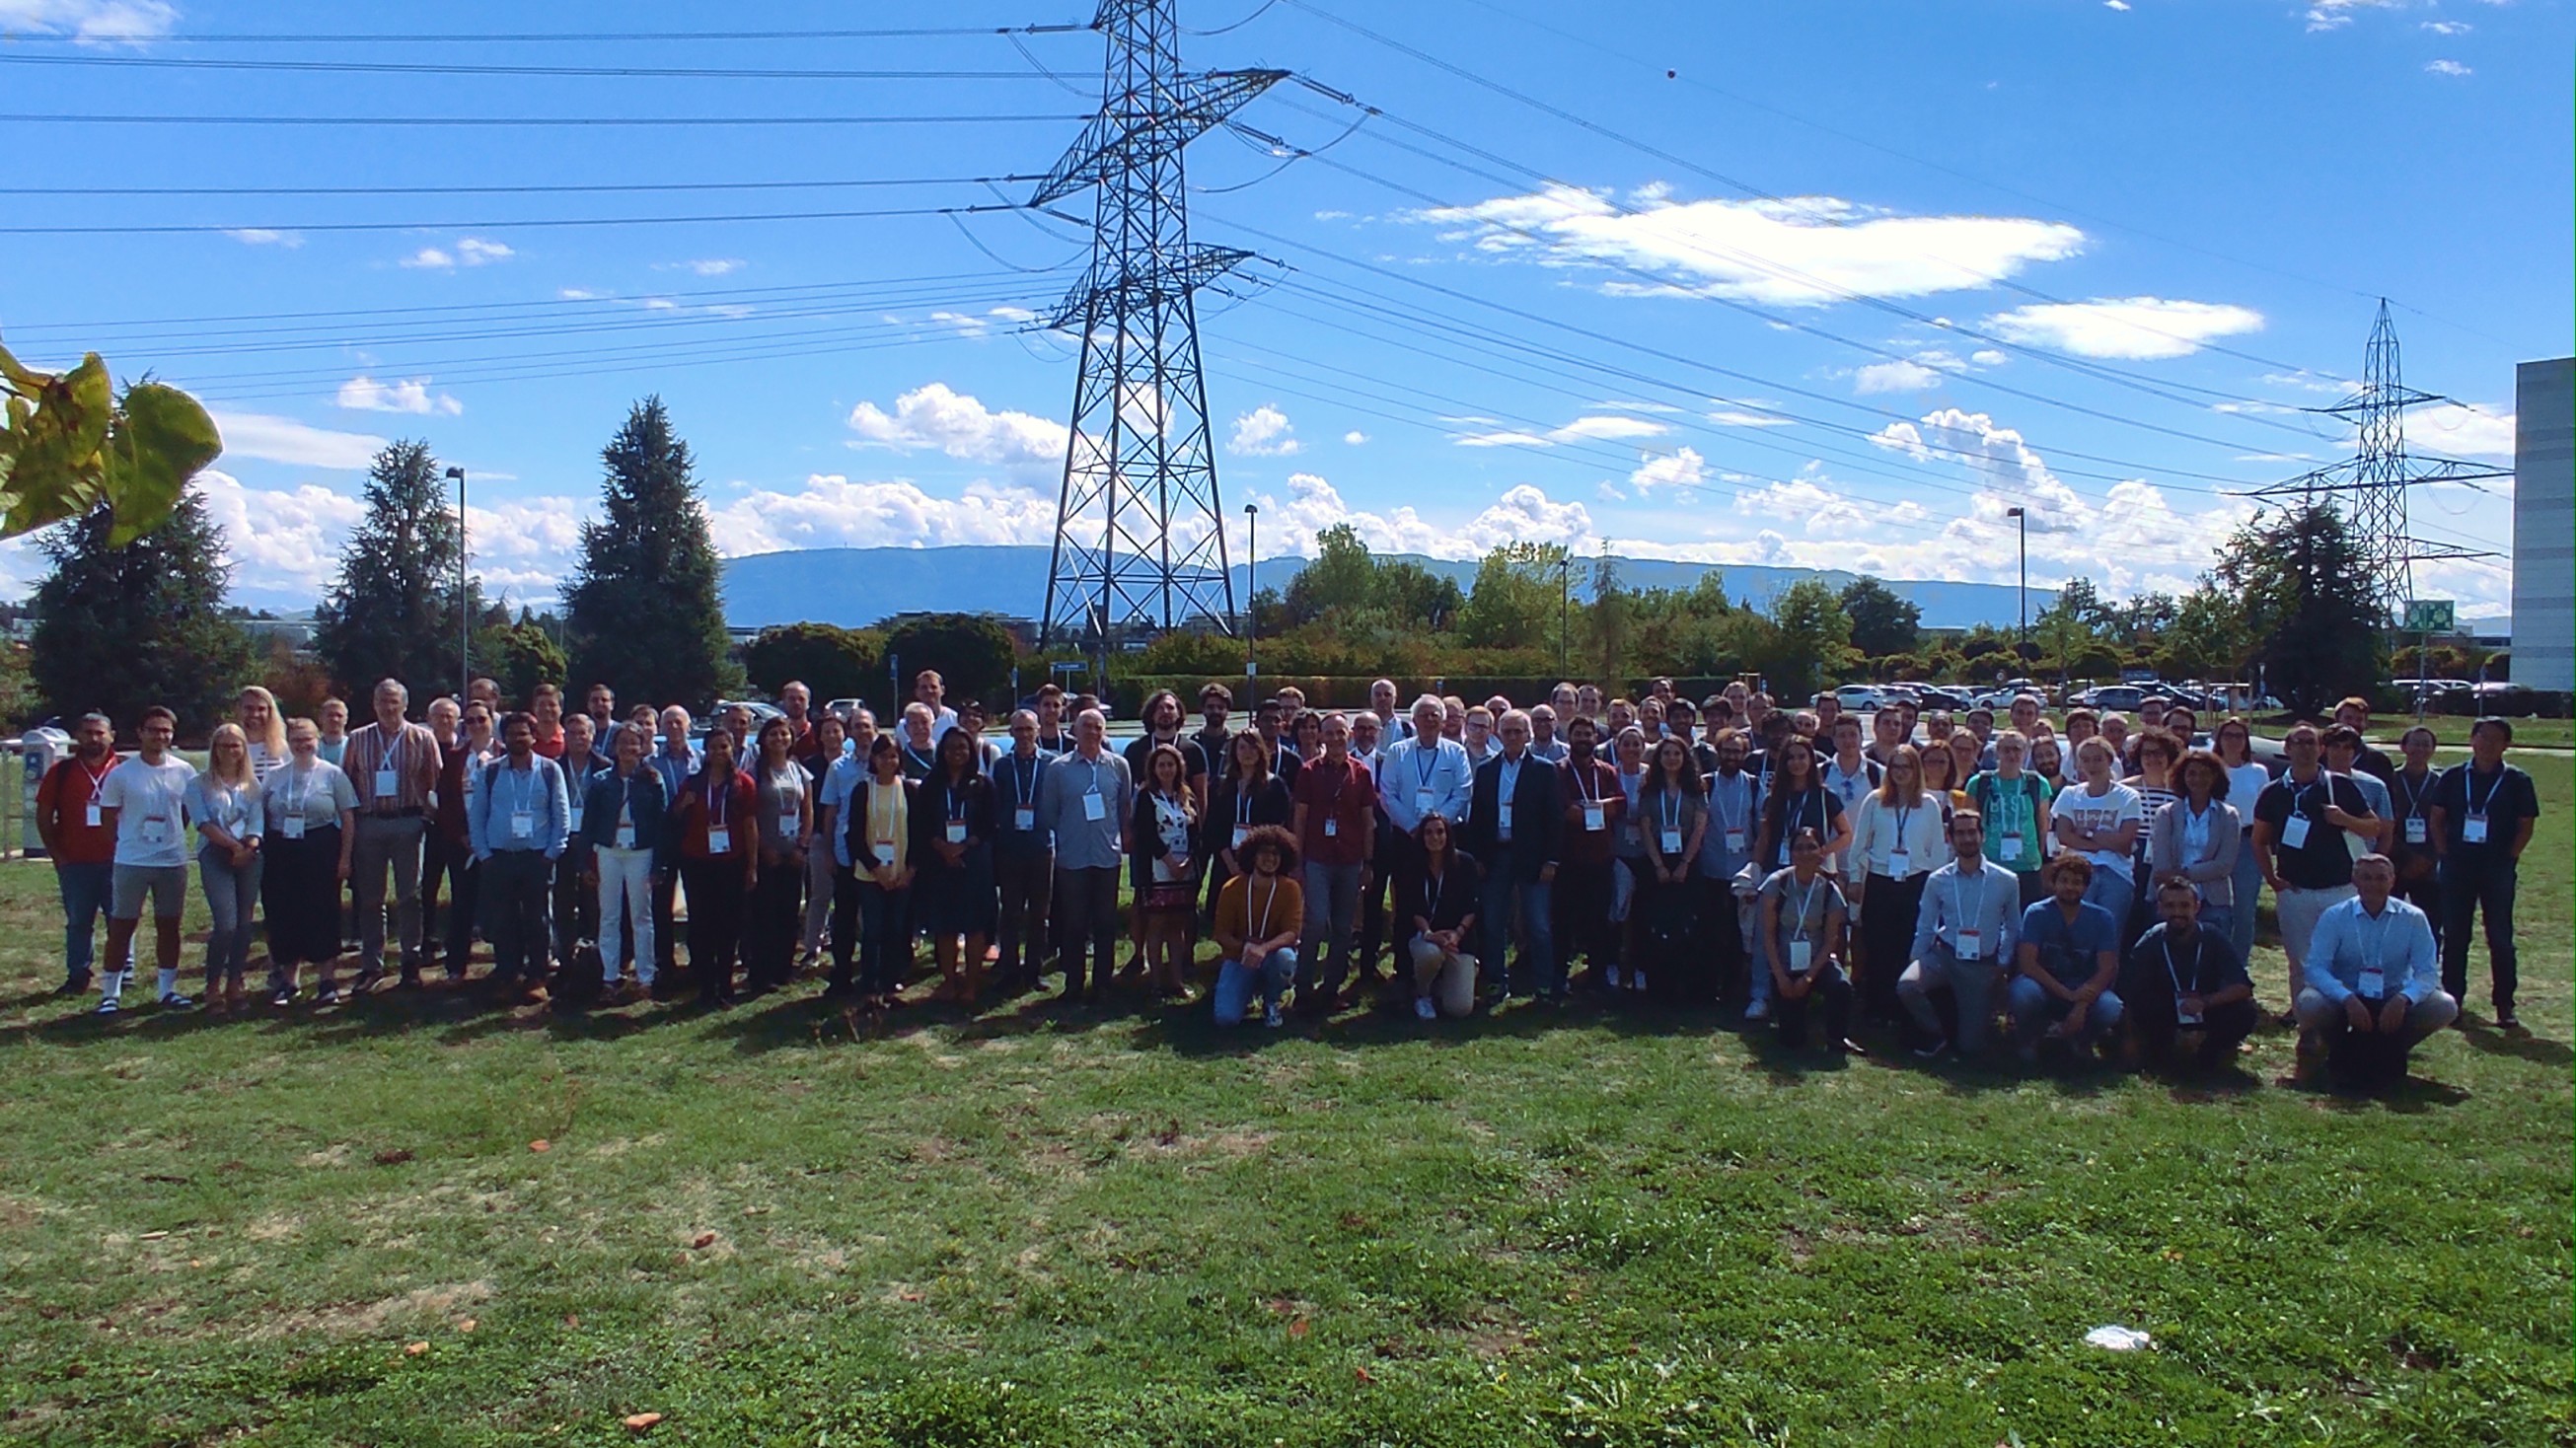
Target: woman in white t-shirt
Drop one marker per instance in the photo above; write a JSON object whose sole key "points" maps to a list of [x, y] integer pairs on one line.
{"points": [[2102, 817], [2246, 778]]}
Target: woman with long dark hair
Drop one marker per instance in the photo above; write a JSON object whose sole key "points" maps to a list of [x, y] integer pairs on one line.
{"points": [[786, 819], [1435, 898], [716, 819], [1166, 818], [1243, 795], [880, 835], [1673, 810], [953, 895]]}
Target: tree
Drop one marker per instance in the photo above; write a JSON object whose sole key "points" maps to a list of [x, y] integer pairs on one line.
{"points": [[834, 662], [1609, 619], [2207, 637], [1812, 647], [393, 613], [2070, 627], [1516, 599], [520, 656], [1342, 576], [70, 444], [972, 652], [646, 606], [124, 626], [2308, 603], [1882, 621]]}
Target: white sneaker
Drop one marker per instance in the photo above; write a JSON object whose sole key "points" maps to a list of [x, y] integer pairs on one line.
{"points": [[1760, 1010], [1614, 978], [1931, 1050], [1270, 1017], [1637, 981], [1423, 1008]]}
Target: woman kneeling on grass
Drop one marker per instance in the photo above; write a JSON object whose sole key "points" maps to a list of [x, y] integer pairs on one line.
{"points": [[1258, 917], [1437, 896]]}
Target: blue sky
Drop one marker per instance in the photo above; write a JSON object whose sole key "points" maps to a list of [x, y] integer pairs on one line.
{"points": [[1821, 284]]}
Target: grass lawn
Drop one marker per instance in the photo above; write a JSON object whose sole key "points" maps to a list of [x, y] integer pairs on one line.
{"points": [[2454, 729], [1125, 1227]]}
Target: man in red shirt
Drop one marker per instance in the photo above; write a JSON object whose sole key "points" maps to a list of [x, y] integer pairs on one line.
{"points": [[81, 845], [545, 707], [1336, 824], [797, 702]]}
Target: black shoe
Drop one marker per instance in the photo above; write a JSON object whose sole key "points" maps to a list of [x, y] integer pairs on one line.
{"points": [[2506, 1020], [73, 985]]}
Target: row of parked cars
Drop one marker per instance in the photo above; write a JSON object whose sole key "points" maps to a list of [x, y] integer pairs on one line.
{"points": [[2204, 698]]}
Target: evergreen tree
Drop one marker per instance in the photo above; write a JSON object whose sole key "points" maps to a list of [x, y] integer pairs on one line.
{"points": [[2309, 603], [646, 607], [121, 628], [392, 615], [1883, 622]]}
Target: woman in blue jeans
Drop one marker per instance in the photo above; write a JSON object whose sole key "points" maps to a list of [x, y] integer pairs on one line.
{"points": [[224, 804]]}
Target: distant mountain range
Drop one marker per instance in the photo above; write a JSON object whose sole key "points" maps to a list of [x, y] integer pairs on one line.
{"points": [[858, 586]]}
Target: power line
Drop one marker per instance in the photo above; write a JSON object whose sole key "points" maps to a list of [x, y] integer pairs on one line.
{"points": [[507, 121], [590, 37], [399, 67], [505, 224], [538, 189]]}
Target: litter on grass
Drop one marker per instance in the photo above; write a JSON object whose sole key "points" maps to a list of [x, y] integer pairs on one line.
{"points": [[2114, 1338]]}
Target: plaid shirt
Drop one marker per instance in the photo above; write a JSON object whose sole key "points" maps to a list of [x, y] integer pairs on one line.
{"points": [[415, 756]]}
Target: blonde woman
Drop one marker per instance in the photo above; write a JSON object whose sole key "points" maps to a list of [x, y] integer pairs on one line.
{"points": [[263, 725], [224, 804]]}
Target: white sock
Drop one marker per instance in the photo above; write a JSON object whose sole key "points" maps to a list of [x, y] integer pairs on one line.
{"points": [[169, 983], [111, 984]]}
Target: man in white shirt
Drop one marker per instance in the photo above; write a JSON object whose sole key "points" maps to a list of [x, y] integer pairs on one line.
{"points": [[1965, 926], [1391, 726], [1426, 774], [144, 803], [929, 689], [1850, 775], [2372, 972]]}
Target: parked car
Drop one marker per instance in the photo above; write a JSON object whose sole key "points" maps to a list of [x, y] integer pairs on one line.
{"points": [[760, 714], [1934, 696], [2000, 697], [2122, 697], [1860, 699]]}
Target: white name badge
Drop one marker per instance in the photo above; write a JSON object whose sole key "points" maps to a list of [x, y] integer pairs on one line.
{"points": [[1093, 807], [1241, 833], [1422, 801], [1595, 818], [95, 818], [2373, 984], [2473, 830], [956, 832], [1899, 864], [573, 818], [885, 852], [1801, 955], [386, 785], [523, 824], [2012, 847], [1672, 842], [2416, 833], [719, 841], [292, 826], [1332, 827], [2294, 832], [1503, 817], [1972, 945], [1024, 818], [1735, 842], [2183, 1017], [626, 836]]}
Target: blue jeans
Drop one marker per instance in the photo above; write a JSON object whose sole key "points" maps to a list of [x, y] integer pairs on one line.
{"points": [[2034, 1010], [2111, 891], [232, 892], [2249, 890], [1538, 972], [1235, 986], [1332, 912], [85, 890]]}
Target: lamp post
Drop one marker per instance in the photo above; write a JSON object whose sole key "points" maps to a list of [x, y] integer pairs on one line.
{"points": [[464, 604], [1564, 609], [1251, 591], [2021, 516]]}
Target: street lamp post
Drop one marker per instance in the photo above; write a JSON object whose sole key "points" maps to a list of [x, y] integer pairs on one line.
{"points": [[1564, 609], [1251, 590], [464, 605], [2021, 516]]}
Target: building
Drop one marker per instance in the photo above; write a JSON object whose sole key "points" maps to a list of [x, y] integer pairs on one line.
{"points": [[2544, 525]]}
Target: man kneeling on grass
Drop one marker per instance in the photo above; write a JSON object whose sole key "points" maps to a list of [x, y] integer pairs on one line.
{"points": [[2374, 980], [1803, 924], [2069, 956], [1258, 918], [2185, 981]]}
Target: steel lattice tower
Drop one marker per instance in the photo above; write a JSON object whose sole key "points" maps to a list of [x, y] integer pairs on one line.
{"points": [[1140, 534], [2371, 486]]}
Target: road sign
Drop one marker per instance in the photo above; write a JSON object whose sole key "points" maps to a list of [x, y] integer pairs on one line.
{"points": [[2430, 615]]}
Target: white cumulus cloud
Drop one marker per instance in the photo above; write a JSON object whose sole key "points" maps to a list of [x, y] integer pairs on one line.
{"points": [[264, 236], [833, 511], [92, 22], [2446, 67], [2143, 328], [1799, 251], [1895, 375], [284, 440], [1264, 432], [470, 251], [936, 415], [365, 394], [1681, 468]]}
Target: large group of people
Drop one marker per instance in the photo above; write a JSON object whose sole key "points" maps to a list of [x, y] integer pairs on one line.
{"points": [[2087, 884]]}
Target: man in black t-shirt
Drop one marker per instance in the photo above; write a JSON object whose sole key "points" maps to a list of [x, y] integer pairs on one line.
{"points": [[2183, 978], [2482, 814], [2300, 821]]}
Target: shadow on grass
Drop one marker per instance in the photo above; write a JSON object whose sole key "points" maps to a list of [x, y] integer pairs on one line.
{"points": [[2535, 1049]]}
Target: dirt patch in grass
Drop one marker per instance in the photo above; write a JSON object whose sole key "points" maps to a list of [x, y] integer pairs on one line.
{"points": [[363, 1319]]}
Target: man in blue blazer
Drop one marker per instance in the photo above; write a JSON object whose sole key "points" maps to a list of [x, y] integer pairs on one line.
{"points": [[1514, 816]]}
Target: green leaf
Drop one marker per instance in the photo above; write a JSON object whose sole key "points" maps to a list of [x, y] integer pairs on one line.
{"points": [[162, 437], [59, 470]]}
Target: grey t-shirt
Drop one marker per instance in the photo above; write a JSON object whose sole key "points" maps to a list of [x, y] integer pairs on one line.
{"points": [[1804, 909], [782, 800]]}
